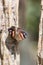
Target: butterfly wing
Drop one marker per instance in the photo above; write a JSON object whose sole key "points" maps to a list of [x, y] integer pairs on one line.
{"points": [[22, 34]]}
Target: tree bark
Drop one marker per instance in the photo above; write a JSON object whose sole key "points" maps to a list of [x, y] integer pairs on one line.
{"points": [[40, 42], [8, 17]]}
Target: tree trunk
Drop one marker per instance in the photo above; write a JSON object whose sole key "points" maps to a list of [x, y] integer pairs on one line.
{"points": [[9, 13], [40, 42], [8, 17]]}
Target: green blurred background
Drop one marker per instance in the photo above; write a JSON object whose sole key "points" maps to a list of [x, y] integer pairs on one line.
{"points": [[30, 17]]}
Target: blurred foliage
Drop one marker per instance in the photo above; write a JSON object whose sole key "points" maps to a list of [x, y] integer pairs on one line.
{"points": [[33, 17]]}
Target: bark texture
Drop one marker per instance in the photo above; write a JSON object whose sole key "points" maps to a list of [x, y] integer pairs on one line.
{"points": [[40, 42], [8, 18]]}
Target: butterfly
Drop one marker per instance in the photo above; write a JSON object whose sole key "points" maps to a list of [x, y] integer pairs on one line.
{"points": [[17, 32]]}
